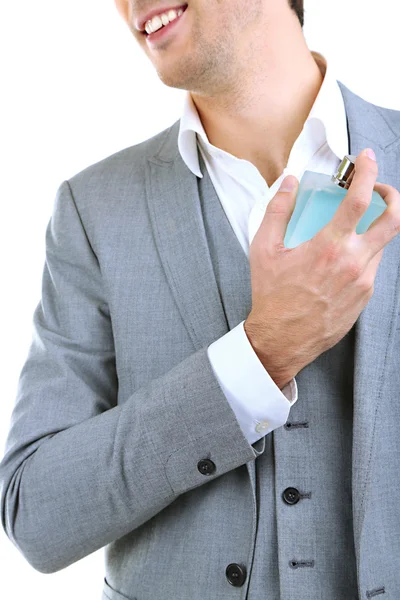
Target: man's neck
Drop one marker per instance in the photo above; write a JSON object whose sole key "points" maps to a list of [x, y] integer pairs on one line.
{"points": [[263, 127]]}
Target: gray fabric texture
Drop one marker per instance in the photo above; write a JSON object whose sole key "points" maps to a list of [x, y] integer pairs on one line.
{"points": [[318, 529], [117, 402]]}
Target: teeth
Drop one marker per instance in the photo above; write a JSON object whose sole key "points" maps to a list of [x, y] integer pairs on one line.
{"points": [[160, 20]]}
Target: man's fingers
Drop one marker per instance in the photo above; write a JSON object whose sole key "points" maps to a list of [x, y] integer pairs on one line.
{"points": [[358, 196], [278, 213], [387, 226]]}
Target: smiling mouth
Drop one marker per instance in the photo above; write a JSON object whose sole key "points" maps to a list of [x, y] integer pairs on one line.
{"points": [[144, 32]]}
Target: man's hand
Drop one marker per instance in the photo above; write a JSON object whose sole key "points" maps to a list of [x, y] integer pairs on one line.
{"points": [[305, 299]]}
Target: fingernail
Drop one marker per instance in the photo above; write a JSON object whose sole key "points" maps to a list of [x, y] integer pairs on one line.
{"points": [[288, 184], [370, 153]]}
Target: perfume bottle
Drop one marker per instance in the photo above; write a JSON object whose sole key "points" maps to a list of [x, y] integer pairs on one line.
{"points": [[318, 198]]}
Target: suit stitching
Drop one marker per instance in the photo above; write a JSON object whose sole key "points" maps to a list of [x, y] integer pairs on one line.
{"points": [[296, 424], [295, 564], [377, 592]]}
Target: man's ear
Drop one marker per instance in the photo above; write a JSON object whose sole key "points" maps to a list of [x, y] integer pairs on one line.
{"points": [[123, 9]]}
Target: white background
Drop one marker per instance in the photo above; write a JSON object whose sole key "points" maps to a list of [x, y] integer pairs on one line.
{"points": [[75, 88]]}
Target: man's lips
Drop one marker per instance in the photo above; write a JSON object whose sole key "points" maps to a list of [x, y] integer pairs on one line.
{"points": [[141, 21]]}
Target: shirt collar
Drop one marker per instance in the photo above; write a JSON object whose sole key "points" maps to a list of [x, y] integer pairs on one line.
{"points": [[328, 109]]}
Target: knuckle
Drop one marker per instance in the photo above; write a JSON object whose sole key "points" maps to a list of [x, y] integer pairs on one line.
{"points": [[367, 277], [353, 269], [358, 203], [332, 251], [390, 189], [366, 284]]}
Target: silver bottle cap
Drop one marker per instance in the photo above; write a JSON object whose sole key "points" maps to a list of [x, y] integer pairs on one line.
{"points": [[345, 171]]}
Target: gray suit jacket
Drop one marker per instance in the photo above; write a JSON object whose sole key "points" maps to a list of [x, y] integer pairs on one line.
{"points": [[118, 413]]}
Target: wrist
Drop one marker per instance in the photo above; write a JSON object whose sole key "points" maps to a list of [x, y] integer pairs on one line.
{"points": [[279, 372]]}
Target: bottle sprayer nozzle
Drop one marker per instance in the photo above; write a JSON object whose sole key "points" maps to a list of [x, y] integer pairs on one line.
{"points": [[345, 171]]}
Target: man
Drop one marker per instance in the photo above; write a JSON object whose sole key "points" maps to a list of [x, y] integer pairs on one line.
{"points": [[223, 418]]}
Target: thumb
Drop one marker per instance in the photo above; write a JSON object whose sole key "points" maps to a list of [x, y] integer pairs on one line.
{"points": [[279, 212]]}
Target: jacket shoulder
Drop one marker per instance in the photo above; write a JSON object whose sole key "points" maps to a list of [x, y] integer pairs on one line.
{"points": [[120, 167]]}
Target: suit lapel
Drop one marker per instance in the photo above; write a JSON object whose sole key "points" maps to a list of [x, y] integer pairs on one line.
{"points": [[376, 325], [175, 214]]}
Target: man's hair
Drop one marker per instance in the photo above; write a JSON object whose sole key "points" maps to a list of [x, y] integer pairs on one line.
{"points": [[298, 7]]}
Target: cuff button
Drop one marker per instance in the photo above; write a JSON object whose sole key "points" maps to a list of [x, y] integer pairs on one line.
{"points": [[262, 426], [206, 466]]}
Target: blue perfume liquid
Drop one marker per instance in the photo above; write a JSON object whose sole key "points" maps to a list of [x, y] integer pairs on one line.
{"points": [[318, 198]]}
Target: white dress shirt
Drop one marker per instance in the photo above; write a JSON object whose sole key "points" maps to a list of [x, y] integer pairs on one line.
{"points": [[259, 405]]}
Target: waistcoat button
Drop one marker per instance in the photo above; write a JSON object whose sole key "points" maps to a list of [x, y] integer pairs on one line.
{"points": [[291, 495], [206, 466], [236, 574]]}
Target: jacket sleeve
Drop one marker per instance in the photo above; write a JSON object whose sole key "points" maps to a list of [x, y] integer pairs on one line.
{"points": [[80, 471]]}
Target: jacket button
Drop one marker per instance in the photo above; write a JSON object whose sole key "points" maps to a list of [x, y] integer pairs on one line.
{"points": [[291, 495], [236, 574], [206, 466]]}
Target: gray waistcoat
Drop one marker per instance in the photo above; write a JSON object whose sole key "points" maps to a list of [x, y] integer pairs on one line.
{"points": [[304, 544]]}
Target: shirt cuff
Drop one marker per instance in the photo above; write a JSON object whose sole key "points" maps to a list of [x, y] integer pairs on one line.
{"points": [[259, 405]]}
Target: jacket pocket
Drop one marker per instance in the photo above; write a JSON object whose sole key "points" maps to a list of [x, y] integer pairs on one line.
{"points": [[110, 594]]}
